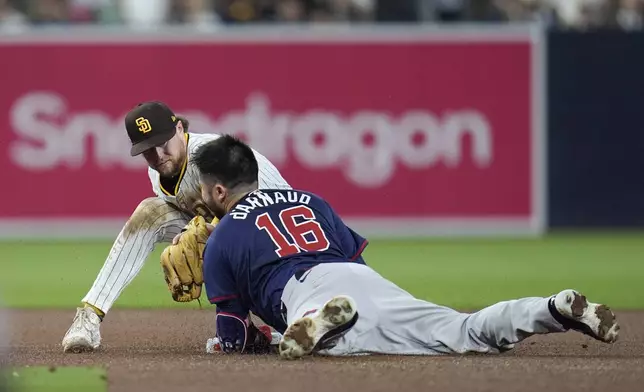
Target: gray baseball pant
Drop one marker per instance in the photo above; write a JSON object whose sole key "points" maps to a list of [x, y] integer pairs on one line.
{"points": [[392, 321]]}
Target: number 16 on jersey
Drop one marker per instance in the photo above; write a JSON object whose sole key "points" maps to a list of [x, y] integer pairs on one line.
{"points": [[307, 235]]}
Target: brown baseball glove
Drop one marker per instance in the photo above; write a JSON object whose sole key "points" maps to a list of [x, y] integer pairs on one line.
{"points": [[182, 262]]}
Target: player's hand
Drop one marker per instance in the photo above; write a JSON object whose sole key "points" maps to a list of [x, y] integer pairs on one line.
{"points": [[213, 345], [265, 342]]}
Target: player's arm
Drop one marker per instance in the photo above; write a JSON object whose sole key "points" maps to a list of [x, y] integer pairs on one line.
{"points": [[235, 332]]}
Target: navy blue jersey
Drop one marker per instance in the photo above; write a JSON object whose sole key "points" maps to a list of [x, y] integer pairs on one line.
{"points": [[265, 239]]}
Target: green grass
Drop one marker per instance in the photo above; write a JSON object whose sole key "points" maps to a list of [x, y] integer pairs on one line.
{"points": [[609, 267], [56, 379]]}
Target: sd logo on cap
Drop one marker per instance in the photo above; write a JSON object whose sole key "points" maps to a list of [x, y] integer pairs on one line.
{"points": [[148, 125]]}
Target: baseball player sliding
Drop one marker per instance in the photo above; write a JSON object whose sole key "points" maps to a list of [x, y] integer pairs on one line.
{"points": [[287, 256], [165, 143]]}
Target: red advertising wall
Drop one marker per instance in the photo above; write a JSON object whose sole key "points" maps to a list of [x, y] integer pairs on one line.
{"points": [[418, 135]]}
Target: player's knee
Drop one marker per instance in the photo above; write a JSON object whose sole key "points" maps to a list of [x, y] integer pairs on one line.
{"points": [[151, 205], [150, 215]]}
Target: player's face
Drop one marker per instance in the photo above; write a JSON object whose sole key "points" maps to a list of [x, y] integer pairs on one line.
{"points": [[214, 196], [168, 158]]}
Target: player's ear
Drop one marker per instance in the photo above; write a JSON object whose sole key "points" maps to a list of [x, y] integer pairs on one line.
{"points": [[184, 123], [180, 127], [221, 192]]}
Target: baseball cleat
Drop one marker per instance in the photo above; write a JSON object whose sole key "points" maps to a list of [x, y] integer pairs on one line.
{"points": [[84, 334], [320, 330], [592, 319]]}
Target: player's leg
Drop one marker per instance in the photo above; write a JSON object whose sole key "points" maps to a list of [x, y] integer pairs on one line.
{"points": [[503, 324], [425, 328], [154, 221], [413, 326], [329, 305], [391, 321], [498, 327]]}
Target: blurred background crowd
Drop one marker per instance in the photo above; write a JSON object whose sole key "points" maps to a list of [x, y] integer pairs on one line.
{"points": [[16, 15]]}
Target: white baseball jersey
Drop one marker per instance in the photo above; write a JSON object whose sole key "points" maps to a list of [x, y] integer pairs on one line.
{"points": [[187, 193], [158, 219]]}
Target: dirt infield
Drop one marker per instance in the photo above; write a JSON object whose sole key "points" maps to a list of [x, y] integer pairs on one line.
{"points": [[164, 351]]}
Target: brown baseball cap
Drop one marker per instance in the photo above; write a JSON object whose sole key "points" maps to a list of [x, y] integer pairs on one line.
{"points": [[148, 125]]}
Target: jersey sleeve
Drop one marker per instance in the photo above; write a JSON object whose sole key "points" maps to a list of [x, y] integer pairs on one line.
{"points": [[269, 176], [233, 327], [221, 285]]}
